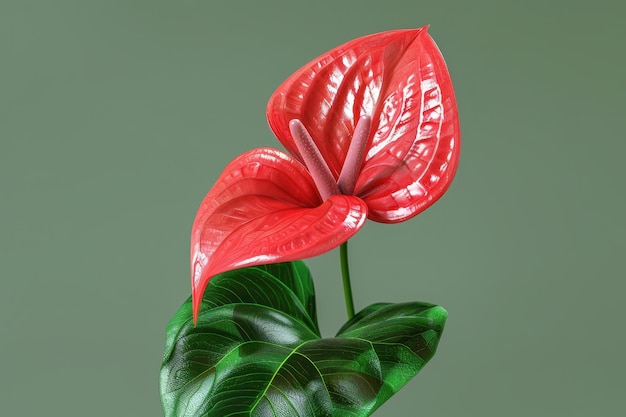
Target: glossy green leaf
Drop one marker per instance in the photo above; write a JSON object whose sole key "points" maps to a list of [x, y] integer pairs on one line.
{"points": [[257, 351]]}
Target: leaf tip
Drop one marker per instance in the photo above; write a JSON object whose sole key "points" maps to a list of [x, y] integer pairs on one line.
{"points": [[438, 315]]}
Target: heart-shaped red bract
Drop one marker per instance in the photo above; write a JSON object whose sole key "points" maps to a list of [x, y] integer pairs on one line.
{"points": [[400, 79]]}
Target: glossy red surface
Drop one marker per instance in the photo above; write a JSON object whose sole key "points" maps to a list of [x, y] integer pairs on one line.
{"points": [[266, 207], [400, 79]]}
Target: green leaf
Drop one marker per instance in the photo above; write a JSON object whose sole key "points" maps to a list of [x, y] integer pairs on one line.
{"points": [[257, 350]]}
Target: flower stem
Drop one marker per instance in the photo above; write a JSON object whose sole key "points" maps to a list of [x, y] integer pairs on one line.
{"points": [[345, 273]]}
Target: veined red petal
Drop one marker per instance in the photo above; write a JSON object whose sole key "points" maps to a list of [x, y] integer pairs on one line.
{"points": [[415, 152], [265, 208], [400, 79], [330, 93]]}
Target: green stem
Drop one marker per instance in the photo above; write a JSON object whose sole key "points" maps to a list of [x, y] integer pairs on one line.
{"points": [[345, 273]]}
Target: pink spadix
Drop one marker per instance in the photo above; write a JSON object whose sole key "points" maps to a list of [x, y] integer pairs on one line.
{"points": [[317, 166]]}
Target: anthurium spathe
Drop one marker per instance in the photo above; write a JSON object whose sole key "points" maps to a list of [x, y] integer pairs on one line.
{"points": [[373, 132]]}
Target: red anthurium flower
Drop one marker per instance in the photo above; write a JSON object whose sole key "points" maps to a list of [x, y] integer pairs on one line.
{"points": [[373, 132]]}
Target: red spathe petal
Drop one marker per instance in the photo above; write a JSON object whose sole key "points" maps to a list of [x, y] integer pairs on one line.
{"points": [[264, 208], [400, 79], [330, 93]]}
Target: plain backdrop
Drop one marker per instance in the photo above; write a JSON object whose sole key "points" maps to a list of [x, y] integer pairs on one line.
{"points": [[117, 116]]}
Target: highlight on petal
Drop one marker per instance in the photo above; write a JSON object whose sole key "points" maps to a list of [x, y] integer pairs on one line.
{"points": [[400, 79], [263, 209]]}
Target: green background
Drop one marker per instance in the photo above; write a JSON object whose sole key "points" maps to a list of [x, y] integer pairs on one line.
{"points": [[116, 117]]}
